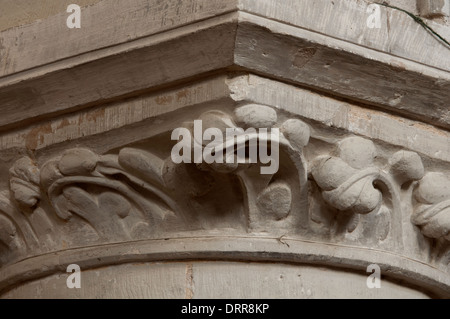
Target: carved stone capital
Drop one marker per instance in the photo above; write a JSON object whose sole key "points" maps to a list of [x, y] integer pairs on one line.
{"points": [[329, 188], [350, 137]]}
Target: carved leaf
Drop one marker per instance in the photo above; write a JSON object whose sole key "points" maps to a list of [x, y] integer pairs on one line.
{"points": [[434, 220], [99, 210], [114, 203], [275, 201], [297, 132], [80, 202], [8, 234], [78, 161], [143, 164], [353, 223], [12, 241], [357, 195], [383, 223], [24, 182], [346, 188], [433, 213], [101, 188]]}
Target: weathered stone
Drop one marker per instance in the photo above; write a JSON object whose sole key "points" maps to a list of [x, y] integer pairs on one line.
{"points": [[433, 8], [88, 176], [357, 152], [296, 132], [256, 116], [407, 166]]}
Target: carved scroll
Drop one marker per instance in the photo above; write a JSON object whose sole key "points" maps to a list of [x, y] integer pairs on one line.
{"points": [[140, 192]]}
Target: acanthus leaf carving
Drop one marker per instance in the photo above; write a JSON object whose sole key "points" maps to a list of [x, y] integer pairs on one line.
{"points": [[133, 193], [139, 192], [102, 190]]}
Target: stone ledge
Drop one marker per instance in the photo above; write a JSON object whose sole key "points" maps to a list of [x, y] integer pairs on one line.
{"points": [[252, 248], [410, 82], [214, 279], [150, 17], [138, 116]]}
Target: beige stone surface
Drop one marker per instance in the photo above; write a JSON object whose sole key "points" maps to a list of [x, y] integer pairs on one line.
{"points": [[89, 125], [210, 280], [15, 13]]}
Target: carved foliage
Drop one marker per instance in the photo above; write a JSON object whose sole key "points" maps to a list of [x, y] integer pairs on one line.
{"points": [[117, 195], [432, 213], [349, 182], [24, 182], [353, 184], [268, 197], [139, 192], [11, 241]]}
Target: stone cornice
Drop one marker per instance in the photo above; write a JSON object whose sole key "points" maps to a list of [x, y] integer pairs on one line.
{"points": [[153, 17], [399, 75]]}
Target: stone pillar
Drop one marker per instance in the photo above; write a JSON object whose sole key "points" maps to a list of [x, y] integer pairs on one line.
{"points": [[357, 180]]}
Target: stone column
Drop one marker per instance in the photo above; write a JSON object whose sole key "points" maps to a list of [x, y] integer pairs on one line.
{"points": [[91, 117]]}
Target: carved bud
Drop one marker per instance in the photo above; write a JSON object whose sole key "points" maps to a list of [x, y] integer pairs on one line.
{"points": [[78, 161], [357, 152], [24, 182], [276, 201], [256, 116], [212, 120], [433, 188], [433, 213], [297, 132], [406, 166]]}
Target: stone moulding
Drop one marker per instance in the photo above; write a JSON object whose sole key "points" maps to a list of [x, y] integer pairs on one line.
{"points": [[363, 178], [360, 64], [350, 193], [250, 249], [433, 212]]}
